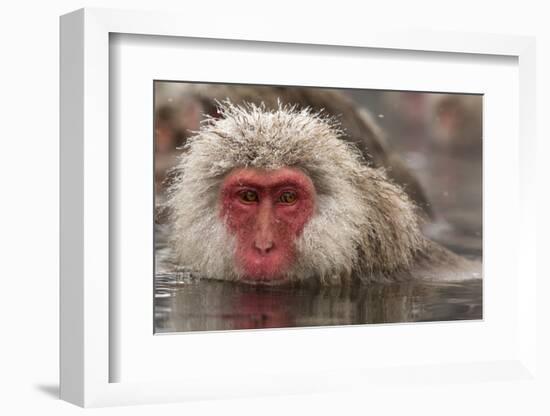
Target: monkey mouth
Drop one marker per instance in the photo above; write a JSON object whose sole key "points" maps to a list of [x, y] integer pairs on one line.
{"points": [[263, 269]]}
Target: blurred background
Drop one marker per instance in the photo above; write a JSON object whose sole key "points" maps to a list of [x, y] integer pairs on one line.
{"points": [[429, 143]]}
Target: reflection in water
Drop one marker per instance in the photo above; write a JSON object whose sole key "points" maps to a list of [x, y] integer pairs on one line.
{"points": [[189, 304]]}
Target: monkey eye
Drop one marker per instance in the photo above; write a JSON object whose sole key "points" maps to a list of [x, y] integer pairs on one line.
{"points": [[248, 197], [288, 197]]}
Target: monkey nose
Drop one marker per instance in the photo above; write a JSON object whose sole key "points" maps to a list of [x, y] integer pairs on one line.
{"points": [[263, 246]]}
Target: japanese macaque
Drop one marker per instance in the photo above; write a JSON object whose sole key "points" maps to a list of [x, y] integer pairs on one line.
{"points": [[271, 196], [458, 124], [360, 128]]}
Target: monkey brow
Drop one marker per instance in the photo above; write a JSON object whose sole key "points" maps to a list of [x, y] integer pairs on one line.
{"points": [[275, 184]]}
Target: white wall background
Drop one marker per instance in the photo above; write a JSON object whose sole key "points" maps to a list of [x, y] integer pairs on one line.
{"points": [[29, 208]]}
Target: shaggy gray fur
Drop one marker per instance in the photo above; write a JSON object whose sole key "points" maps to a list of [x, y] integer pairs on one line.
{"points": [[364, 225]]}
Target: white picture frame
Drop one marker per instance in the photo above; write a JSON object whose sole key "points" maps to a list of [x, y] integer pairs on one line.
{"points": [[87, 304]]}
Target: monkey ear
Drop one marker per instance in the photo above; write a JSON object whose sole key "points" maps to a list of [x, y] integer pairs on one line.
{"points": [[211, 109], [215, 113]]}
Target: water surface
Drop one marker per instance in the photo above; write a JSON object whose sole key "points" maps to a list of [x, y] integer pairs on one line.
{"points": [[187, 303]]}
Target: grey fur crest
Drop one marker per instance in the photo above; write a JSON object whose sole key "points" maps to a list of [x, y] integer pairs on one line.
{"points": [[364, 226]]}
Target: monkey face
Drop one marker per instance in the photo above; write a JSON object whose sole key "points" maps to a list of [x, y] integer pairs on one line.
{"points": [[266, 210]]}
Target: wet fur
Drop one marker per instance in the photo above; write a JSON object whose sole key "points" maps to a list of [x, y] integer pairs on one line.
{"points": [[360, 127], [364, 227]]}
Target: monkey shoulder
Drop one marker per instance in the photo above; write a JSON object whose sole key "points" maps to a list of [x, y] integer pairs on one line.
{"points": [[437, 263]]}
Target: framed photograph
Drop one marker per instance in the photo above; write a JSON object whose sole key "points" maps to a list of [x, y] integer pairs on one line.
{"points": [[331, 269], [268, 213]]}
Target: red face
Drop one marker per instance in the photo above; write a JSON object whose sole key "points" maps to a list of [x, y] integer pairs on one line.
{"points": [[266, 211]]}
